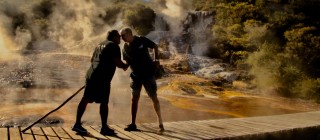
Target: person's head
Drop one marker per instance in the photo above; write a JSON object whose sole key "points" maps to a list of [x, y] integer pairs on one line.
{"points": [[114, 36], [126, 34]]}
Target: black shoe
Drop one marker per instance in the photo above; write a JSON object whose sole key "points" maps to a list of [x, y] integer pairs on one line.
{"points": [[131, 127], [107, 131], [79, 129], [161, 128]]}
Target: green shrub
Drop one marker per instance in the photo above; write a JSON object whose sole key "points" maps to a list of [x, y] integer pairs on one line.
{"points": [[279, 39], [304, 43], [140, 17], [308, 89]]}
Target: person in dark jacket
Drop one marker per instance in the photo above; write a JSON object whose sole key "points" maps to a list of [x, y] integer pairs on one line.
{"points": [[105, 59], [136, 54]]}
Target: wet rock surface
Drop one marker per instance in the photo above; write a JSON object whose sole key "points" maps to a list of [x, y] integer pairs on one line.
{"points": [[28, 120], [44, 71], [204, 67]]}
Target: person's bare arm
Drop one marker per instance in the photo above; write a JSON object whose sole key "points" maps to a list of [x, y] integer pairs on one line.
{"points": [[156, 52], [120, 64], [156, 56]]}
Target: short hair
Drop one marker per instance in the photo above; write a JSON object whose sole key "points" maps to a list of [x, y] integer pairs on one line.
{"points": [[111, 34], [127, 30]]}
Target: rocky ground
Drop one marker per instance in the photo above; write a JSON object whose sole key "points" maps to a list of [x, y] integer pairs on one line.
{"points": [[58, 70], [216, 74]]}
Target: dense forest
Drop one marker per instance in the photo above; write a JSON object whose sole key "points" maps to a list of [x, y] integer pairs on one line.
{"points": [[278, 41]]}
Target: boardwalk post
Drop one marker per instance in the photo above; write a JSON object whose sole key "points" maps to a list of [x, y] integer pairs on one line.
{"points": [[24, 130]]}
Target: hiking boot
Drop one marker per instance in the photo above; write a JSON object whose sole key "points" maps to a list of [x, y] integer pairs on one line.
{"points": [[131, 127], [79, 129], [161, 128], [107, 131]]}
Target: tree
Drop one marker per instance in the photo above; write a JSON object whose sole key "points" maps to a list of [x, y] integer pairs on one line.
{"points": [[140, 17]]}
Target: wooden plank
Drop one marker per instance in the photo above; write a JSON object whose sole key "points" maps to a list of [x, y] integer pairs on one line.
{"points": [[4, 133], [272, 121], [72, 133], [160, 135], [175, 132], [242, 129], [61, 133], [14, 133], [268, 128], [153, 132], [309, 115], [256, 128], [288, 118], [170, 128], [297, 121], [221, 129], [183, 127], [315, 114], [199, 130], [38, 134], [27, 135], [121, 133], [237, 125], [216, 131], [138, 133], [95, 134], [89, 137], [117, 136], [129, 134], [167, 132], [291, 120], [246, 128], [271, 127], [204, 129], [51, 135]]}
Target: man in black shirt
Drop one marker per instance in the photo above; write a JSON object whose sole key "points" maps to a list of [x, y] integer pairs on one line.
{"points": [[136, 54], [105, 59]]}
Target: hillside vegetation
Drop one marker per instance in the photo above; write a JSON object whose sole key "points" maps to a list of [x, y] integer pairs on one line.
{"points": [[277, 40]]}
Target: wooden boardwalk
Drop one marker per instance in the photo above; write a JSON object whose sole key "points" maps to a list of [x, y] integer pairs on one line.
{"points": [[288, 126]]}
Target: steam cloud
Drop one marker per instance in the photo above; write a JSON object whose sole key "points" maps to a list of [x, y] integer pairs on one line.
{"points": [[174, 12], [73, 25], [59, 27], [64, 26]]}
